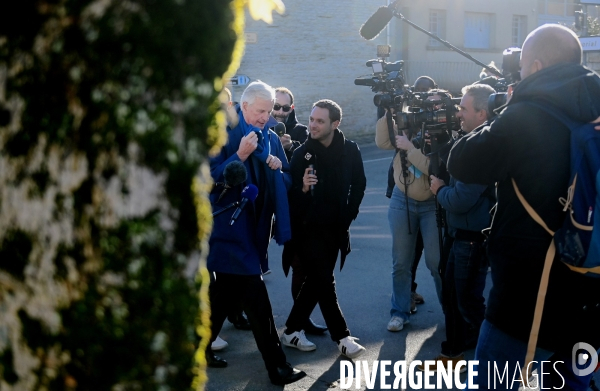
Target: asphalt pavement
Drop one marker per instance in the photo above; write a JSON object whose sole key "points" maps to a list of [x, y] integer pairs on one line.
{"points": [[364, 294]]}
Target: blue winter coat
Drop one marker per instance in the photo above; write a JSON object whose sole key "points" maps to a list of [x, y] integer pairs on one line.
{"points": [[239, 248], [467, 206]]}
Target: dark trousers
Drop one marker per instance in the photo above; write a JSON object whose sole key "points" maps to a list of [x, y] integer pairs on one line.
{"points": [[464, 282], [298, 275], [318, 257], [229, 289]]}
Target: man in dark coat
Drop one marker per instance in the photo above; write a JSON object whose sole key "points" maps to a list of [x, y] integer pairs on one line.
{"points": [[283, 111], [238, 246], [467, 209], [528, 145], [328, 185], [294, 136]]}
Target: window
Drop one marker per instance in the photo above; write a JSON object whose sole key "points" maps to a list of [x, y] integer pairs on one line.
{"points": [[557, 7], [437, 26], [519, 29], [556, 11], [477, 30]]}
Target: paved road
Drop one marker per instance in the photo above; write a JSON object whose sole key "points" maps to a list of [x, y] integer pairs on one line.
{"points": [[364, 292]]}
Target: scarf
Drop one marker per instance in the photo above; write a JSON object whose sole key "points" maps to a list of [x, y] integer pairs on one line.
{"points": [[263, 148]]}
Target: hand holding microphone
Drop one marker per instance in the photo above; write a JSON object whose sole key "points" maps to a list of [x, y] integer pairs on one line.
{"points": [[309, 180]]}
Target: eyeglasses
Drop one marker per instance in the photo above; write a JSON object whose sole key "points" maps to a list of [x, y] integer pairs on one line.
{"points": [[285, 108]]}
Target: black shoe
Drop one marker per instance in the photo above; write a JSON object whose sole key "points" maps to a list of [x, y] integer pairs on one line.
{"points": [[214, 361], [285, 375], [311, 327], [240, 322]]}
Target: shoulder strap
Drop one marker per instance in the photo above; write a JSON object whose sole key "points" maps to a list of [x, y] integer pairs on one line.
{"points": [[530, 209], [541, 297]]}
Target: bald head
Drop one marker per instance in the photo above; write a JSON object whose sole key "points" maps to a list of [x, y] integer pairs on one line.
{"points": [[549, 45]]}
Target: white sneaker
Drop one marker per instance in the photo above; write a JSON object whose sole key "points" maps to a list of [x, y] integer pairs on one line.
{"points": [[349, 348], [219, 344], [298, 340], [396, 323]]}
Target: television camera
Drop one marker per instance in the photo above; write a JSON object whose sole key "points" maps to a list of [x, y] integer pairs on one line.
{"points": [[419, 114]]}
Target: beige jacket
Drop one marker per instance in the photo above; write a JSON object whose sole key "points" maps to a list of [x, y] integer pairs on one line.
{"points": [[418, 188]]}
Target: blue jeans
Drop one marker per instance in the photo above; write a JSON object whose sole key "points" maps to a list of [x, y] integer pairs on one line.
{"points": [[464, 306], [496, 349], [422, 215]]}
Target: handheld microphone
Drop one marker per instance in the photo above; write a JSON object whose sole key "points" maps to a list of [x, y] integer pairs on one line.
{"points": [[279, 129], [377, 22], [312, 187], [249, 193]]}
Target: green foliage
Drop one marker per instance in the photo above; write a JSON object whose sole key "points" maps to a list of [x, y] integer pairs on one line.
{"points": [[593, 26], [111, 105]]}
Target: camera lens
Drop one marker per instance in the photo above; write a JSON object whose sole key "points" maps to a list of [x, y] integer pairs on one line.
{"points": [[382, 100]]}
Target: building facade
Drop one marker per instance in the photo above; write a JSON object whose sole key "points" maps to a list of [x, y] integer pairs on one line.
{"points": [[316, 51]]}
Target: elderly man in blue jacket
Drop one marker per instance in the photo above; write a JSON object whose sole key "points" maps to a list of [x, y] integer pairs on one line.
{"points": [[237, 247], [468, 213]]}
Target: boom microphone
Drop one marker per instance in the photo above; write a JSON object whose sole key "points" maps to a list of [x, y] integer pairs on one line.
{"points": [[279, 129], [249, 193], [377, 22]]}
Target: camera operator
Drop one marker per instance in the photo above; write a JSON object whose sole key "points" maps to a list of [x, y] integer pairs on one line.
{"points": [[467, 209], [422, 216], [422, 84], [531, 147]]}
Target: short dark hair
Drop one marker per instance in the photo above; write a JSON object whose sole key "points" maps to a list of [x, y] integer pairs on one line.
{"points": [[335, 111], [286, 91]]}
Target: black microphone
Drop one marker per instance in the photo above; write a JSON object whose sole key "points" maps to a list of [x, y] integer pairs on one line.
{"points": [[234, 173], [312, 187], [377, 22], [279, 129], [249, 193]]}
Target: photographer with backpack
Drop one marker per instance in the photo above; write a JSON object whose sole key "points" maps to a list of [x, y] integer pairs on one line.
{"points": [[527, 151]]}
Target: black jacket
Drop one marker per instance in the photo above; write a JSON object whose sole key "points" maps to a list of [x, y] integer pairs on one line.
{"points": [[352, 187], [297, 132], [529, 145]]}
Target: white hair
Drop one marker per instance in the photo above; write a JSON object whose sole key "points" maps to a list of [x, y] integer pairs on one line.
{"points": [[258, 89]]}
